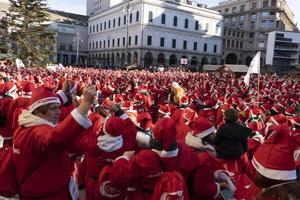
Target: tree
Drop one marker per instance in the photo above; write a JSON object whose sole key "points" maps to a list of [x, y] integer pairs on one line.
{"points": [[30, 38], [3, 36]]}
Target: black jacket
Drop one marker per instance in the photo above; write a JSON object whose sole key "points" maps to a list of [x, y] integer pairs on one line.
{"points": [[231, 141]]}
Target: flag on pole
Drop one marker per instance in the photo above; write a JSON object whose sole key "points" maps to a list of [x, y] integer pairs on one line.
{"points": [[254, 68]]}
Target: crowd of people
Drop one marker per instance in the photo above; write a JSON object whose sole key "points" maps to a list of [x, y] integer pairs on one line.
{"points": [[144, 135]]}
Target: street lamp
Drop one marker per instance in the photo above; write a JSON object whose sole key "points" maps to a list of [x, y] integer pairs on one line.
{"points": [[77, 40], [127, 10]]}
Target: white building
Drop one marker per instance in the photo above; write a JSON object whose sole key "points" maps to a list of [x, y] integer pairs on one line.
{"points": [[150, 32], [283, 50], [71, 37]]}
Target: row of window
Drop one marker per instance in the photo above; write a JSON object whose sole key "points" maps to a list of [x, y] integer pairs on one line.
{"points": [[114, 43], [118, 22], [175, 22], [184, 44], [252, 16], [113, 23], [122, 41], [233, 33], [253, 6], [233, 44]]}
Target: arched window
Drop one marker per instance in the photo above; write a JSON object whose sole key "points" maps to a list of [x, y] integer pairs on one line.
{"points": [[137, 17], [150, 16], [163, 19], [186, 23], [119, 21], [130, 18], [175, 21], [124, 22]]}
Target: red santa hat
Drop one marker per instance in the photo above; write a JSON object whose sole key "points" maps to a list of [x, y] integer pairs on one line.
{"points": [[202, 127], [290, 111], [255, 112], [9, 88], [278, 119], [277, 108], [255, 126], [296, 120], [144, 120], [118, 99], [164, 109], [189, 115], [274, 159], [266, 107], [113, 126], [42, 96], [184, 101], [127, 105], [28, 87], [165, 132]]}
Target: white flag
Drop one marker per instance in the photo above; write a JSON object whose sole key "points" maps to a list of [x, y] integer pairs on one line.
{"points": [[19, 63], [254, 68]]}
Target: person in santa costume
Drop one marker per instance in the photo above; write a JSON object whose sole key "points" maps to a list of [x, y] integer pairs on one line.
{"points": [[9, 91], [118, 134], [203, 181], [144, 132], [275, 166], [40, 145]]}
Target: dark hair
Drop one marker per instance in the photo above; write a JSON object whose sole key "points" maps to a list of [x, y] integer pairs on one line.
{"points": [[231, 116]]}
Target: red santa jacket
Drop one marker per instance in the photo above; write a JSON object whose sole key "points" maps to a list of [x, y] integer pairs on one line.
{"points": [[42, 158], [5, 130], [203, 183]]}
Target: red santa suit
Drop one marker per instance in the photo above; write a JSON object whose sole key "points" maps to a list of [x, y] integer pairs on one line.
{"points": [[203, 184], [102, 149], [40, 150], [9, 94]]}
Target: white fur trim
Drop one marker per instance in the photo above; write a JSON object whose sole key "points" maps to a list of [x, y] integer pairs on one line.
{"points": [[206, 132], [124, 116], [298, 124], [218, 190], [63, 96], [166, 154], [43, 102], [142, 139], [131, 189], [122, 157], [27, 119], [11, 90], [164, 113], [6, 138], [107, 191], [193, 141], [26, 96], [274, 173], [259, 138], [73, 89], [109, 143], [178, 193], [274, 121], [80, 119]]}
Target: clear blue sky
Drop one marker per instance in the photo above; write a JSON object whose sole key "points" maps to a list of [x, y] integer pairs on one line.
{"points": [[78, 6]]}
